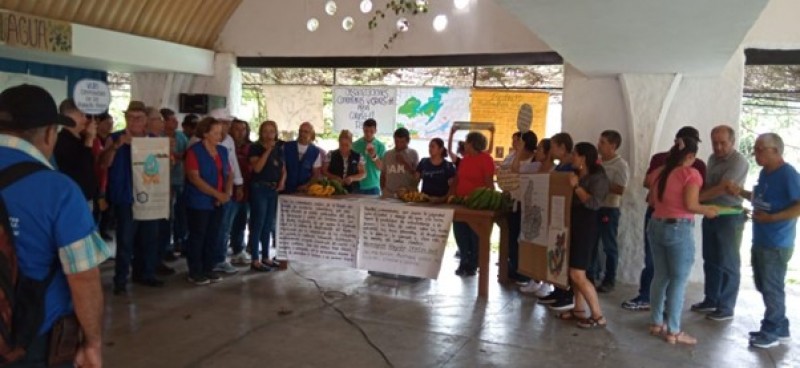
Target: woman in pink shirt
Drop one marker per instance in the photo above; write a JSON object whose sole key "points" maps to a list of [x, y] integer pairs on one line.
{"points": [[676, 188]]}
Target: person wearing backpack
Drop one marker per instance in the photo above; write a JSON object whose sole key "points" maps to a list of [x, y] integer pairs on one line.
{"points": [[51, 301]]}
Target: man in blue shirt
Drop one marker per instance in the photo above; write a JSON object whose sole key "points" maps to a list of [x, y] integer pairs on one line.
{"points": [[52, 224], [776, 207]]}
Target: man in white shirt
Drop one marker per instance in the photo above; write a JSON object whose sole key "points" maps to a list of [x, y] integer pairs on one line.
{"points": [[608, 216], [303, 160]]}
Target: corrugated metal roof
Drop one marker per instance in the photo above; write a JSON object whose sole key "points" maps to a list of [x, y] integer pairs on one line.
{"points": [[190, 22]]}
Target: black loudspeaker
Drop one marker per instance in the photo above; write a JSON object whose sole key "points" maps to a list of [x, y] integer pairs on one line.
{"points": [[200, 103]]}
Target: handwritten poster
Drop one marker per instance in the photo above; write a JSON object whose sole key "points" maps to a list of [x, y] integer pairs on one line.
{"points": [[557, 256], [318, 230], [403, 239], [353, 105], [502, 109], [151, 184], [535, 191], [430, 112], [291, 105]]}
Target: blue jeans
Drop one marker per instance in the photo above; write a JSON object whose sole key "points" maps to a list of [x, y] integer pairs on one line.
{"points": [[137, 246], [722, 238], [673, 257], [204, 227], [646, 278], [769, 272], [226, 223], [263, 213], [238, 227], [467, 241], [370, 191], [178, 219], [608, 225], [164, 236]]}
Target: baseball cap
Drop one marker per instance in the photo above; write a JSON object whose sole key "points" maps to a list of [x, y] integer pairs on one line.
{"points": [[27, 106], [688, 132], [221, 114]]}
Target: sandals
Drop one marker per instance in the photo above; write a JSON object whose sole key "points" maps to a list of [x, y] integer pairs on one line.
{"points": [[592, 322], [571, 315], [658, 330], [680, 338], [271, 263]]}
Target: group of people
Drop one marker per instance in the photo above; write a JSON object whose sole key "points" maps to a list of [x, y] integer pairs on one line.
{"points": [[222, 183], [680, 186]]}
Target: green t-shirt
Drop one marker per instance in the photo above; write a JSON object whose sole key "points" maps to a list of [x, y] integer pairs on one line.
{"points": [[373, 179]]}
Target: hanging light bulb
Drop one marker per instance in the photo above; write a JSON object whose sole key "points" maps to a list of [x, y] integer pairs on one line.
{"points": [[402, 25], [460, 4], [366, 6], [347, 23], [330, 7], [440, 22], [312, 24]]}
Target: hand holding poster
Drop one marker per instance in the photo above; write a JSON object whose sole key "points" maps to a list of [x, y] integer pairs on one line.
{"points": [[151, 184], [353, 105]]}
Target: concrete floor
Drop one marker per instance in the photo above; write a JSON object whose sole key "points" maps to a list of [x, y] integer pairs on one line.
{"points": [[279, 320]]}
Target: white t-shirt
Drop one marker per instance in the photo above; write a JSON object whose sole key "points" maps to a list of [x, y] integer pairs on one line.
{"points": [[302, 148], [618, 173]]}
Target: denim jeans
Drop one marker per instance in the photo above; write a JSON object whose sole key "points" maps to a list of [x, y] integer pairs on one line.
{"points": [[608, 225], [204, 227], [769, 272], [263, 213], [226, 223], [467, 241], [646, 278], [370, 191], [137, 246], [238, 227], [164, 235], [722, 238], [673, 257], [37, 354], [179, 225], [514, 227]]}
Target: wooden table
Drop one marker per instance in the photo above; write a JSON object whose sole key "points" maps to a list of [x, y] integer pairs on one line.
{"points": [[481, 222]]}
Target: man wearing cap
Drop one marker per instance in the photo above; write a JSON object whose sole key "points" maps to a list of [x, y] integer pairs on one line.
{"points": [[642, 301], [722, 236], [137, 244], [54, 229], [73, 152], [222, 264]]}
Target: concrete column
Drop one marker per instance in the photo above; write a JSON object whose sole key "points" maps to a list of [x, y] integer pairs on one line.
{"points": [[647, 109]]}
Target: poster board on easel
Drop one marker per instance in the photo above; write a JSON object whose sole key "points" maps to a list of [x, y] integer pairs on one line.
{"points": [[544, 234]]}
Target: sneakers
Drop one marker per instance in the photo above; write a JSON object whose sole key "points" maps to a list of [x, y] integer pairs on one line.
{"points": [[225, 267], [198, 280], [636, 304], [550, 298], [562, 304], [544, 291], [719, 315], [531, 288], [782, 339], [703, 307], [240, 259], [213, 277], [763, 342]]}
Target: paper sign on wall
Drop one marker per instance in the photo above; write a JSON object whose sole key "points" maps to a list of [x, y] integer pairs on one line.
{"points": [[503, 109], [289, 106], [151, 181], [353, 105], [430, 112]]}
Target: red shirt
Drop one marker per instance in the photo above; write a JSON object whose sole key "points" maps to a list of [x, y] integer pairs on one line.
{"points": [[473, 173], [191, 164]]}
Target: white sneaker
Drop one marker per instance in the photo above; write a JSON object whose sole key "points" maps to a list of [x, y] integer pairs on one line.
{"points": [[544, 290], [531, 288], [240, 259], [225, 267]]}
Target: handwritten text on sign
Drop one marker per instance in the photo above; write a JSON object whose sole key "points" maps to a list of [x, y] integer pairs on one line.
{"points": [[404, 240], [318, 230], [353, 105]]}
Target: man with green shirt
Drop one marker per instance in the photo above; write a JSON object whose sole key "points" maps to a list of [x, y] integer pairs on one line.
{"points": [[372, 150]]}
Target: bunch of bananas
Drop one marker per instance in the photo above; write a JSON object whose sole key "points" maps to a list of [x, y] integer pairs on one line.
{"points": [[414, 196], [487, 199], [319, 190]]}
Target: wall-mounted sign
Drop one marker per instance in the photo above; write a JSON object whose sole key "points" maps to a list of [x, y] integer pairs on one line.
{"points": [[91, 96], [27, 31]]}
